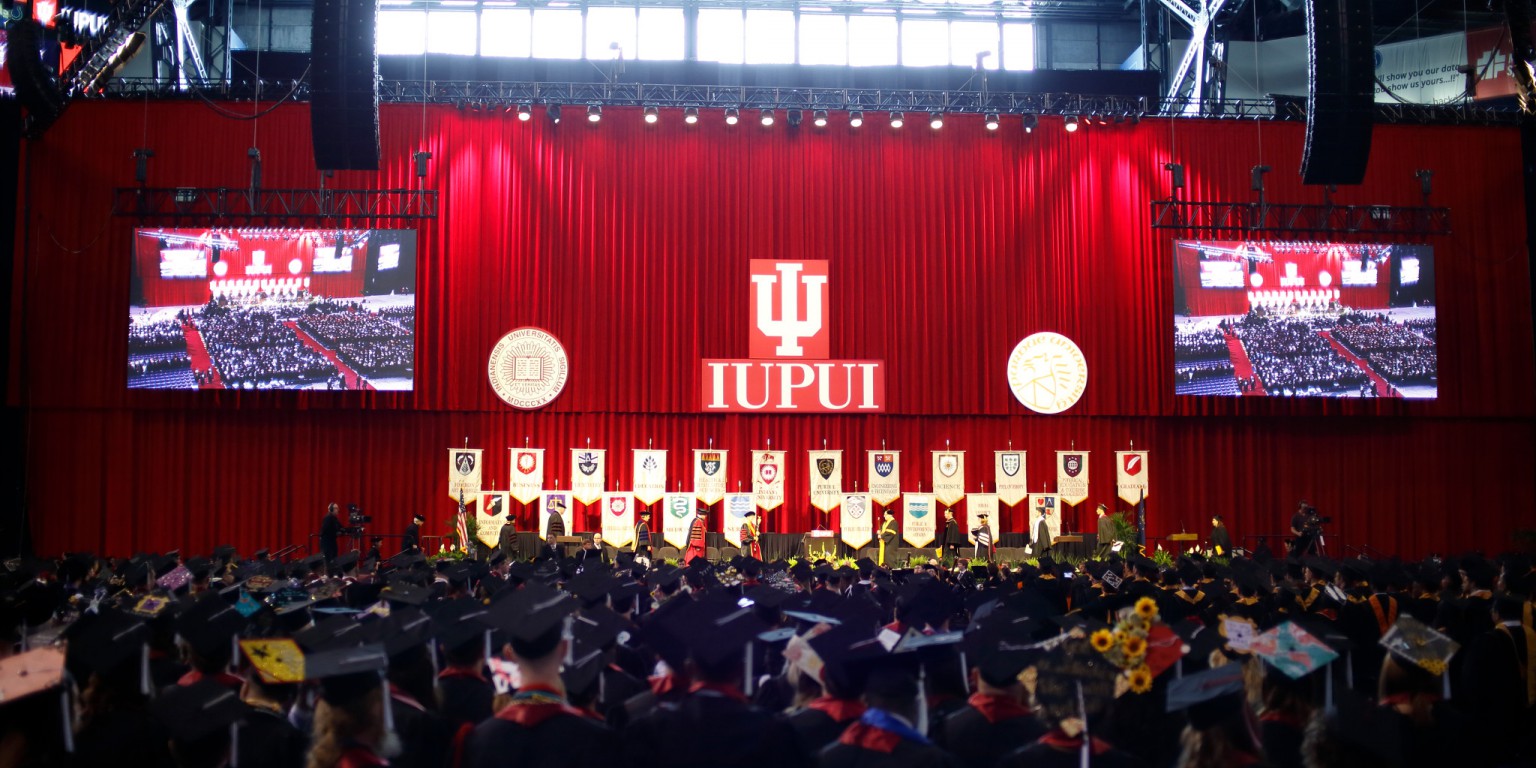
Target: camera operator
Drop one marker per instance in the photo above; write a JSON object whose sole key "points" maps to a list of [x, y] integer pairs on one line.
{"points": [[1306, 529], [411, 541], [330, 529]]}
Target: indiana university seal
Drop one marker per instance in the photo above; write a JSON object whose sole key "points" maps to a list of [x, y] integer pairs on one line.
{"points": [[528, 368], [1047, 372]]}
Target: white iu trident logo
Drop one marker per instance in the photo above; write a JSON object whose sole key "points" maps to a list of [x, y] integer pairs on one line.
{"points": [[790, 326]]}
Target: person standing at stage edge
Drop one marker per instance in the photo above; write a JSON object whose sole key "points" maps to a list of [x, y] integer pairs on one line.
{"points": [[1106, 537], [411, 541], [330, 528], [749, 543], [888, 536], [643, 535], [696, 536], [949, 544], [1221, 538]]}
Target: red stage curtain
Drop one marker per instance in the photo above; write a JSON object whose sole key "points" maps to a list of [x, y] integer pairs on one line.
{"points": [[630, 243]]}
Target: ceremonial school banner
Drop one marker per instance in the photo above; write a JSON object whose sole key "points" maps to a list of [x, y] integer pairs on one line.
{"points": [[490, 515], [921, 511], [826, 480], [1072, 476], [588, 473], [555, 500], [884, 476], [737, 505], [976, 505], [709, 475], [856, 523], [949, 477], [768, 479], [618, 518], [1049, 504], [1010, 477], [527, 473], [676, 514], [1131, 475], [463, 473], [650, 476]]}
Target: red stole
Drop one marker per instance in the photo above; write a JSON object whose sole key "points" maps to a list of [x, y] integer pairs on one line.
{"points": [[223, 678], [530, 713], [866, 736], [727, 691], [840, 710], [1058, 740], [997, 708]]}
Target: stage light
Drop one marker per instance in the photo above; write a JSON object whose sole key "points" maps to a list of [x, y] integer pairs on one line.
{"points": [[732, 115], [1102, 119], [766, 117], [594, 113], [992, 121], [651, 116], [1071, 121], [897, 120], [553, 112], [794, 116], [855, 119], [820, 118], [936, 120], [1030, 121], [525, 112], [690, 115]]}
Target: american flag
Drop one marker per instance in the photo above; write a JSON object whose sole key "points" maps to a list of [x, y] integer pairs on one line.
{"points": [[462, 523]]}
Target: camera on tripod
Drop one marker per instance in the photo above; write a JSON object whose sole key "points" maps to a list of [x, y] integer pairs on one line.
{"points": [[355, 521]]}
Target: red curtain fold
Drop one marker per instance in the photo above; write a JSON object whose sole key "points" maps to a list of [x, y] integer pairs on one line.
{"points": [[630, 243]]}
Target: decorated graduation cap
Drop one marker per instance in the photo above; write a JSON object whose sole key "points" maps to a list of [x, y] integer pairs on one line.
{"points": [[1413, 644], [25, 677], [1292, 650]]}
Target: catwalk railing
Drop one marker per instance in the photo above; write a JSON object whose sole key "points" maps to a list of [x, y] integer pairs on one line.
{"points": [[1219, 220], [187, 205]]}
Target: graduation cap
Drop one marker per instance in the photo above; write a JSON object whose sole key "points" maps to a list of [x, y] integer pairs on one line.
{"points": [[224, 553], [1001, 647], [530, 613], [208, 625], [715, 629], [346, 562], [198, 714], [1072, 680], [1320, 566], [404, 593], [766, 596], [109, 640], [1210, 696], [1292, 650], [592, 585], [276, 660], [460, 622], [665, 575], [29, 673], [1411, 642]]}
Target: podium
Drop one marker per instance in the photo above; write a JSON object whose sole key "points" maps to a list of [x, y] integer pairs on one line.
{"points": [[1185, 539], [1075, 539], [819, 543], [569, 544]]}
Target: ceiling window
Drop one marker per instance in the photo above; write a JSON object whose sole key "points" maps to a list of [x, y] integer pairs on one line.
{"points": [[506, 32], [661, 34], [773, 37], [721, 35], [611, 32], [872, 41], [924, 43]]}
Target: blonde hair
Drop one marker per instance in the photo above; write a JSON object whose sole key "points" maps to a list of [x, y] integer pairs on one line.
{"points": [[360, 720]]}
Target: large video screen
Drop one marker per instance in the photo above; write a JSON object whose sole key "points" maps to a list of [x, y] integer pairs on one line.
{"points": [[1304, 319], [272, 308]]}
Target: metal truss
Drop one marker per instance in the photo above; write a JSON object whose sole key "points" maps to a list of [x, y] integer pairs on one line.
{"points": [[273, 207], [1245, 220]]}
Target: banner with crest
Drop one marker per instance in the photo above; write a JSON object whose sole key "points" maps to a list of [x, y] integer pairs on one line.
{"points": [[976, 505], [589, 468], [709, 474], [884, 477], [736, 507], [1048, 504], [527, 474], [949, 477], [826, 480], [650, 476], [1072, 476], [490, 515], [676, 516], [921, 515], [618, 518], [857, 520], [555, 500], [768, 479], [1010, 467], [1131, 475], [463, 473]]}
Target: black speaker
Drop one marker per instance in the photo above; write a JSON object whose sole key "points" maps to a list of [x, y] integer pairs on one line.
{"points": [[1341, 81], [37, 88], [344, 80]]}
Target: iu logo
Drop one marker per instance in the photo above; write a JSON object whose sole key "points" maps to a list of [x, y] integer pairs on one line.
{"points": [[796, 324], [769, 472]]}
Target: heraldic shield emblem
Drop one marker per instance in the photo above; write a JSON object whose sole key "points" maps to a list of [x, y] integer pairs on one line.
{"points": [[825, 467], [679, 507], [465, 462], [885, 464], [949, 464], [618, 505], [1132, 463], [1010, 464], [587, 463], [710, 463], [1072, 464], [854, 506], [769, 472], [526, 463]]}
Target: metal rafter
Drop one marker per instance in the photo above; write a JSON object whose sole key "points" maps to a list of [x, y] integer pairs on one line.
{"points": [[188, 205], [1196, 67], [1219, 220]]}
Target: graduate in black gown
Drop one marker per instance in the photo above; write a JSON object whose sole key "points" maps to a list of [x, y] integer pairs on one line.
{"points": [[996, 719], [824, 718], [463, 692], [889, 733]]}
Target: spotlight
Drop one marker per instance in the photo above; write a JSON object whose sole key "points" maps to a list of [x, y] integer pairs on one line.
{"points": [[691, 115], [897, 120], [1030, 121], [553, 111], [992, 121], [1071, 121], [855, 119], [794, 116], [936, 120], [767, 117], [820, 118], [1103, 120], [651, 116], [525, 112], [732, 115], [594, 113]]}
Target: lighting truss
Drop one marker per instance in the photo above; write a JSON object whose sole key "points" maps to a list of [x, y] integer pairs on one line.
{"points": [[1227, 221], [180, 206]]}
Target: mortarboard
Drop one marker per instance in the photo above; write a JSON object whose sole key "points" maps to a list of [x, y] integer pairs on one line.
{"points": [[1072, 680], [192, 713], [1292, 650], [766, 596], [209, 624], [460, 622], [1210, 696], [30, 673], [715, 629], [530, 613], [1411, 642], [276, 660]]}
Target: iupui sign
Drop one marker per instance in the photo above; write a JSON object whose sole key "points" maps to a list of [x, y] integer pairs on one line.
{"points": [[789, 370]]}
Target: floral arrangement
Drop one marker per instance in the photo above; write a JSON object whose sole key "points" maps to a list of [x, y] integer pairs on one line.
{"points": [[1125, 645]]}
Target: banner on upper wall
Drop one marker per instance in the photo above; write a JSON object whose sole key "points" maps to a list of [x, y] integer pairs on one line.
{"points": [[1010, 476], [768, 479], [618, 518], [527, 473], [553, 501], [826, 479], [884, 476], [736, 507], [709, 474], [976, 505], [490, 514], [949, 477], [1049, 505], [463, 473], [1131, 475], [856, 520], [676, 515], [1072, 476], [919, 521], [588, 474], [650, 475]]}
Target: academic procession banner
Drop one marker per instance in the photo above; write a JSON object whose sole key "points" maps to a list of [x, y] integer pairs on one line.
{"points": [[618, 518], [737, 505], [1131, 475], [554, 500], [650, 476], [949, 477], [1011, 488], [917, 527], [826, 479], [709, 475], [976, 505], [1072, 476], [490, 515], [527, 474], [677, 513], [1050, 502], [463, 473], [856, 522], [884, 477], [768, 479], [588, 474]]}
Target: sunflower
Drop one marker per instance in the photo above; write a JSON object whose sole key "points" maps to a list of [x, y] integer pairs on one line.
{"points": [[1141, 679], [1134, 645], [1146, 608], [1102, 640]]}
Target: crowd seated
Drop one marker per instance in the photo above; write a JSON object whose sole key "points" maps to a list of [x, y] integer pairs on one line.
{"points": [[350, 326], [1396, 351], [141, 365], [163, 336], [1290, 356], [1199, 345], [379, 357], [254, 349]]}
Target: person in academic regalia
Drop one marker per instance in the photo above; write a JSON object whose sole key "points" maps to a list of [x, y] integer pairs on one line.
{"points": [[985, 549], [330, 529], [950, 540], [1498, 677], [105, 653], [643, 535], [888, 537], [1106, 532], [411, 541], [887, 735], [825, 717], [697, 536], [554, 528], [464, 694], [506, 541], [267, 739], [996, 718], [1221, 538], [1042, 540], [749, 536]]}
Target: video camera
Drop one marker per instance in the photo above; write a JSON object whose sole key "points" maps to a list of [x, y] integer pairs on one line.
{"points": [[1314, 521], [355, 521]]}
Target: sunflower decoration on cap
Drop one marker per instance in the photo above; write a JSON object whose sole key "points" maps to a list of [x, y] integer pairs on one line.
{"points": [[1139, 644]]}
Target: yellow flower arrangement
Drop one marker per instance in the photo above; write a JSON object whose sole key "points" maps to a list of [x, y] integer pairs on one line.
{"points": [[1141, 679], [1102, 640], [1146, 608], [1135, 646]]}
